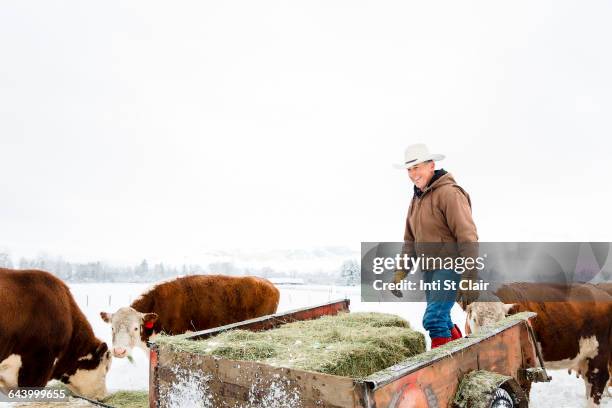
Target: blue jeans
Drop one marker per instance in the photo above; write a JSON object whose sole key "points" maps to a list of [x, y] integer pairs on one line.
{"points": [[437, 320]]}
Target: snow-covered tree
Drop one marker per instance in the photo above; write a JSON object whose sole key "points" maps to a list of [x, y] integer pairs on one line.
{"points": [[350, 273], [142, 270], [223, 268], [5, 260]]}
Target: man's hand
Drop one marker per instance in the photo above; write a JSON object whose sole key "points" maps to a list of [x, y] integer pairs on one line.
{"points": [[397, 278], [397, 293]]}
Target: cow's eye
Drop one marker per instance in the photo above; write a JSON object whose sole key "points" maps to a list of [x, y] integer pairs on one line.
{"points": [[135, 328]]}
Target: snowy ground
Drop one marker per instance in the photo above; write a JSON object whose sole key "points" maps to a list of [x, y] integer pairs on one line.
{"points": [[564, 391]]}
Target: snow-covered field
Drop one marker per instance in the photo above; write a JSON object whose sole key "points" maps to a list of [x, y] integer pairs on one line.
{"points": [[564, 391]]}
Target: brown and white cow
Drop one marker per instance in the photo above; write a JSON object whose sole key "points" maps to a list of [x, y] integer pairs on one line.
{"points": [[190, 303], [44, 335], [573, 335]]}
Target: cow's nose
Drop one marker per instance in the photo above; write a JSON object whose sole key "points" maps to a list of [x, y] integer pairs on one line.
{"points": [[119, 352]]}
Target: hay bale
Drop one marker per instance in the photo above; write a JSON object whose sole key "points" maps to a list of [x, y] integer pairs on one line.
{"points": [[477, 389], [128, 399], [349, 344]]}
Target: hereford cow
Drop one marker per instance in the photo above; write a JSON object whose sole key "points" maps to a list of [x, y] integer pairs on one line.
{"points": [[573, 335], [44, 335], [189, 303]]}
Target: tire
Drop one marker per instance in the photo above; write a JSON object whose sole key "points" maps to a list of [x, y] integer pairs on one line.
{"points": [[502, 399]]}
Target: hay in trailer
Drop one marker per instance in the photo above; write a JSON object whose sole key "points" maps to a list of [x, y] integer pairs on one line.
{"points": [[349, 344], [127, 399], [477, 389]]}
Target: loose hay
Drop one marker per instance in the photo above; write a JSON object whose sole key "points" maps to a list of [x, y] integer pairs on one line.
{"points": [[128, 399], [349, 344], [477, 388]]}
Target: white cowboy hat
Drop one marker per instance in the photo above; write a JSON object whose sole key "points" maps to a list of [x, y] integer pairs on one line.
{"points": [[415, 154]]}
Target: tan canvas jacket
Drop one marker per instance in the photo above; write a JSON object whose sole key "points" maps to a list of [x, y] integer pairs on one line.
{"points": [[441, 215]]}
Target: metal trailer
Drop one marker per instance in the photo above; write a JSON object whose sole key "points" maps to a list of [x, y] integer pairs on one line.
{"points": [[432, 380]]}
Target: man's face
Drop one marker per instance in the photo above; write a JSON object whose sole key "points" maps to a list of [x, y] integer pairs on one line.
{"points": [[421, 173]]}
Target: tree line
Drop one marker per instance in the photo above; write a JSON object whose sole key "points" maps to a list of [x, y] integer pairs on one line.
{"points": [[347, 274]]}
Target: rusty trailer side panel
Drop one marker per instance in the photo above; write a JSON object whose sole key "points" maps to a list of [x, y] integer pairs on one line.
{"points": [[153, 380], [236, 383]]}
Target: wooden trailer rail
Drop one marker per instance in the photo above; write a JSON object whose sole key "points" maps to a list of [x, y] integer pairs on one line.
{"points": [[275, 320]]}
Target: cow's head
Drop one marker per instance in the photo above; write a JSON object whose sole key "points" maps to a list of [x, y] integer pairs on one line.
{"points": [[87, 375], [481, 314], [130, 329]]}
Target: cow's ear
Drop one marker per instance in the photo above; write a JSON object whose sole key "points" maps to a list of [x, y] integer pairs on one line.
{"points": [[102, 348], [510, 309], [106, 316], [149, 319]]}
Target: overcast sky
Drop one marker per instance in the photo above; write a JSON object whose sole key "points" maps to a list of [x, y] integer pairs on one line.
{"points": [[138, 129]]}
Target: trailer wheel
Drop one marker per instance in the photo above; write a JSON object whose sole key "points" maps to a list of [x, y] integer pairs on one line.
{"points": [[502, 399]]}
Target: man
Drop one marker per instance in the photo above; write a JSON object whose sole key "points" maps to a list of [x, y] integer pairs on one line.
{"points": [[439, 222]]}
